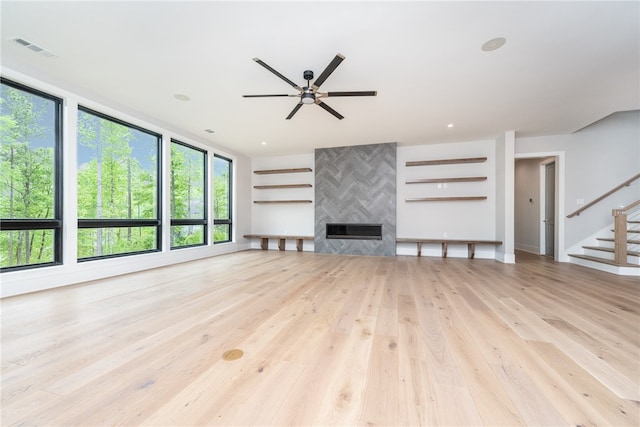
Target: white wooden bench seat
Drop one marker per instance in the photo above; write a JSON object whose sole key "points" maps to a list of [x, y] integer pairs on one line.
{"points": [[471, 244], [264, 240]]}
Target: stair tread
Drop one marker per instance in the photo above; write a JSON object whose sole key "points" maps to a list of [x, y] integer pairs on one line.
{"points": [[601, 248], [610, 239], [602, 260]]}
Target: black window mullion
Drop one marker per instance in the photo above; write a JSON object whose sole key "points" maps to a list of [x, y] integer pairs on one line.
{"points": [[226, 221], [55, 224], [154, 144], [177, 222], [159, 193], [30, 224], [117, 223], [59, 185], [118, 121]]}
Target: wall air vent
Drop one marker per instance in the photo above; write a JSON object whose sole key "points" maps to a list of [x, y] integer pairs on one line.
{"points": [[33, 47]]}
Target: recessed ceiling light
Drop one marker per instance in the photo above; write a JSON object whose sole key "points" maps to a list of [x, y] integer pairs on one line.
{"points": [[264, 143], [181, 97], [494, 44], [209, 130], [450, 125]]}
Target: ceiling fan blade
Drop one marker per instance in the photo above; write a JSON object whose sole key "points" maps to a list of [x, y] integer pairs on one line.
{"points": [[265, 96], [329, 109], [354, 93], [327, 71], [295, 110], [259, 61]]}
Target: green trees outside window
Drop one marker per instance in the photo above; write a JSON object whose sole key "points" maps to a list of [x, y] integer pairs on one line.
{"points": [[188, 195], [222, 199], [118, 187], [30, 177]]}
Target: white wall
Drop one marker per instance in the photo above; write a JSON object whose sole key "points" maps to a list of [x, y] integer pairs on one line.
{"points": [[505, 176], [71, 272], [597, 158], [291, 219], [455, 219], [592, 160], [242, 204], [464, 220]]}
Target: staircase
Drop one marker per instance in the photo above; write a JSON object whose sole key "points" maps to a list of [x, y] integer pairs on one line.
{"points": [[602, 256]]}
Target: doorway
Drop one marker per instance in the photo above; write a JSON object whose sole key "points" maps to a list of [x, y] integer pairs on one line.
{"points": [[549, 209], [546, 236]]}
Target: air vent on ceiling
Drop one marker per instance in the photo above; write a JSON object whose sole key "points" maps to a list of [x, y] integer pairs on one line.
{"points": [[33, 47]]}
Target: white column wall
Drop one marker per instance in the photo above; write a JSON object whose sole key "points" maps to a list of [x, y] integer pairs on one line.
{"points": [[505, 178]]}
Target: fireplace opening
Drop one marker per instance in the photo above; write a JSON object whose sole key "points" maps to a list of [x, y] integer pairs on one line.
{"points": [[354, 231]]}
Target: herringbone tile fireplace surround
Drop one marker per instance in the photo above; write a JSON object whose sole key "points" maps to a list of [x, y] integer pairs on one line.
{"points": [[356, 185]]}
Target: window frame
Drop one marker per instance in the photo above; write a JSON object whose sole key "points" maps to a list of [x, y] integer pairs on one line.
{"points": [[93, 223], [224, 221], [55, 223], [192, 221]]}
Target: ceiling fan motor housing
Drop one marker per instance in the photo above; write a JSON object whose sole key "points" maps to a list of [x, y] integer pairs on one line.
{"points": [[308, 75]]}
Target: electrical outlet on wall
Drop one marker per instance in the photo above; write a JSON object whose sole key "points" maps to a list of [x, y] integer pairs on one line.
{"points": [[444, 234], [580, 202]]}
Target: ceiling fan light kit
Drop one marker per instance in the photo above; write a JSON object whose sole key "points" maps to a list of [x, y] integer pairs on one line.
{"points": [[308, 98], [309, 94]]}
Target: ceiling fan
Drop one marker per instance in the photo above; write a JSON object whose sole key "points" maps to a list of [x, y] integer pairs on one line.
{"points": [[309, 94]]}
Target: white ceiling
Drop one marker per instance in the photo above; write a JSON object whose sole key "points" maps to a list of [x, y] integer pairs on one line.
{"points": [[564, 66]]}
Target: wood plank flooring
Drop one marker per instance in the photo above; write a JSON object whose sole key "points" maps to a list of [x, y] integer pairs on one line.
{"points": [[328, 340]]}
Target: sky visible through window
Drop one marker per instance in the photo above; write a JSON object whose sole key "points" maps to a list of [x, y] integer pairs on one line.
{"points": [[45, 118], [143, 149]]}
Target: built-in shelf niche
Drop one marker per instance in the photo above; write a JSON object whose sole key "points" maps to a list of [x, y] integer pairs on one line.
{"points": [[265, 202], [271, 187], [273, 171], [281, 186], [447, 161], [447, 180], [445, 199], [464, 160]]}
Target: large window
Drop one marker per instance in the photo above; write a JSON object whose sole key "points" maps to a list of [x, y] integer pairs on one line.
{"points": [[188, 195], [118, 187], [30, 177], [222, 199]]}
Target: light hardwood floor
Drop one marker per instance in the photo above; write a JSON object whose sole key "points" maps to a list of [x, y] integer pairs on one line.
{"points": [[328, 340]]}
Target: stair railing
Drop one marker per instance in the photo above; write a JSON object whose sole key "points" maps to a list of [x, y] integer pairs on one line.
{"points": [[620, 231], [604, 196]]}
